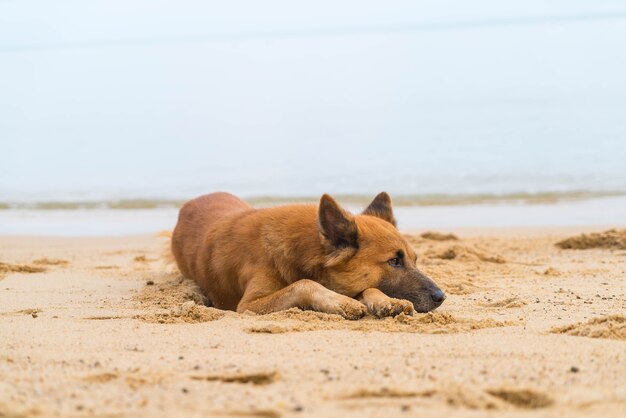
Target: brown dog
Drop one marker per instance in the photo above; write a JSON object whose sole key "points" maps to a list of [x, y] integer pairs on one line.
{"points": [[325, 259]]}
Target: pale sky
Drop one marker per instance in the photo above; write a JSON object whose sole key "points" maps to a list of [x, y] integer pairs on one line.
{"points": [[109, 98]]}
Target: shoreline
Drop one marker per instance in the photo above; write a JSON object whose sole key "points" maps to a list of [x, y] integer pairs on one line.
{"points": [[118, 222], [407, 200]]}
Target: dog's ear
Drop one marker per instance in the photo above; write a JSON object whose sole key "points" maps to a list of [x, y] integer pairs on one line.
{"points": [[337, 225], [381, 208]]}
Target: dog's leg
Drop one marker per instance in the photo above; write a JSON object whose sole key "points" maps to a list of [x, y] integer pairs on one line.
{"points": [[304, 294], [382, 305]]}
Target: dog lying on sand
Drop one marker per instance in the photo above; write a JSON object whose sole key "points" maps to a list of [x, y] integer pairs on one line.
{"points": [[311, 257]]}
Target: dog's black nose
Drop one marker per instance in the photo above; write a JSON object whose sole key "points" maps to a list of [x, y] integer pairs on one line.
{"points": [[438, 296]]}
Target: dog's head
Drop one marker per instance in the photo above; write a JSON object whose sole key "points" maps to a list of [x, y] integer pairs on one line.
{"points": [[367, 250]]}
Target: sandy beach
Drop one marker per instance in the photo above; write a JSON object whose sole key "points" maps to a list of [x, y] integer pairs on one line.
{"points": [[495, 129], [102, 327]]}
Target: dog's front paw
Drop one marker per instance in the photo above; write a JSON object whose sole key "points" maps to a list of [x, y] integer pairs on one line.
{"points": [[391, 307], [342, 305], [352, 309]]}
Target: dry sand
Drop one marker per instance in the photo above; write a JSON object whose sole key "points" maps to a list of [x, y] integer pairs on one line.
{"points": [[101, 327]]}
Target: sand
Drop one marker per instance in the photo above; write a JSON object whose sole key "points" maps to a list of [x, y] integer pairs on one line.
{"points": [[102, 327]]}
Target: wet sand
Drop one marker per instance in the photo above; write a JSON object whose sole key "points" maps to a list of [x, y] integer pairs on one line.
{"points": [[102, 327]]}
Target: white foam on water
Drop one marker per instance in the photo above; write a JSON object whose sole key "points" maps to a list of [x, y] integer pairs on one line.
{"points": [[104, 222]]}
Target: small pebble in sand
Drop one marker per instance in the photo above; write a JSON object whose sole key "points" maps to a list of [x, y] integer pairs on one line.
{"points": [[34, 314]]}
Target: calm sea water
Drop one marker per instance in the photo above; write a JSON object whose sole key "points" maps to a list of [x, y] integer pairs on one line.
{"points": [[435, 103], [600, 213]]}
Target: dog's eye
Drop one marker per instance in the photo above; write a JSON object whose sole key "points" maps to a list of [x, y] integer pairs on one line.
{"points": [[395, 262]]}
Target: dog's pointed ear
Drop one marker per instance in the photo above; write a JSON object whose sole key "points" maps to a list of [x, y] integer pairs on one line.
{"points": [[381, 208], [337, 225]]}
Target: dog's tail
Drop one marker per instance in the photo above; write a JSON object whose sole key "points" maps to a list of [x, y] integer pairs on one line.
{"points": [[167, 257]]}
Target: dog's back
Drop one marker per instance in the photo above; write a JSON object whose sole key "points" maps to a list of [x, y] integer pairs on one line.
{"points": [[196, 220]]}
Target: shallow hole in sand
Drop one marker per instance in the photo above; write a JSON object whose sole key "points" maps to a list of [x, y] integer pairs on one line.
{"points": [[174, 299], [613, 238], [466, 253], [438, 236], [258, 378], [610, 327], [263, 413], [32, 311], [511, 302], [51, 262], [522, 398], [6, 268], [461, 397], [388, 393]]}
